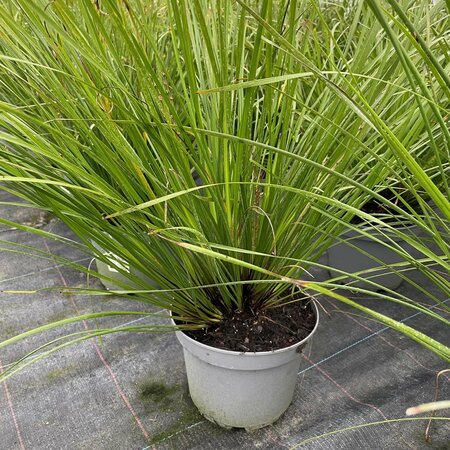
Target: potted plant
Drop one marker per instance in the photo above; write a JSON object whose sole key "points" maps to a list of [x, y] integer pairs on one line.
{"points": [[381, 251], [107, 132]]}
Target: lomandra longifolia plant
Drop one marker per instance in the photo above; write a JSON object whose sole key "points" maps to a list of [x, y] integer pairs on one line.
{"points": [[220, 147]]}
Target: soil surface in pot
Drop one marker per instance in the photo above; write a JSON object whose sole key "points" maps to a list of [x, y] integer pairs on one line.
{"points": [[259, 331]]}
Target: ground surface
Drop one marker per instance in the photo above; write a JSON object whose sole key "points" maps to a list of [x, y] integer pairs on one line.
{"points": [[129, 391]]}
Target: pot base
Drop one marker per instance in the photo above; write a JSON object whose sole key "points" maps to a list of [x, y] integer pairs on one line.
{"points": [[247, 428]]}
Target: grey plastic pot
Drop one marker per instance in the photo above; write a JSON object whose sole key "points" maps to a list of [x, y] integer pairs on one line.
{"points": [[243, 390], [111, 271], [356, 252]]}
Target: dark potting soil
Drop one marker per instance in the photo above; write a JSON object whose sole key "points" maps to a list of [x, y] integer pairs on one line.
{"points": [[378, 208], [263, 330]]}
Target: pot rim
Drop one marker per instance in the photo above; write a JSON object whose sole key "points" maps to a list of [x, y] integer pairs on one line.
{"points": [[253, 354], [352, 234]]}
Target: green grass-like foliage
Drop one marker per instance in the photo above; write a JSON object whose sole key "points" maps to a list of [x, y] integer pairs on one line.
{"points": [[219, 147]]}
